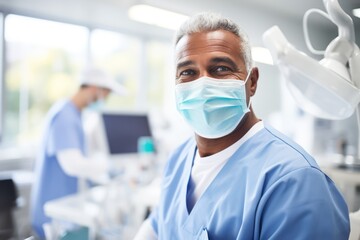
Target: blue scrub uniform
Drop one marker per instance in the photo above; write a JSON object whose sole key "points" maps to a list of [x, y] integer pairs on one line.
{"points": [[63, 131], [269, 189]]}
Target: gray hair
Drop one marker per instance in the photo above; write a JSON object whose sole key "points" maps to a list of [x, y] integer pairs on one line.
{"points": [[207, 22]]}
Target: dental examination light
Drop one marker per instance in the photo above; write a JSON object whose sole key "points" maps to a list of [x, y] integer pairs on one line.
{"points": [[328, 88]]}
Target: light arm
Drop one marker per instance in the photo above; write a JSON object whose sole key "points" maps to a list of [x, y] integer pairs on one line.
{"points": [[341, 19]]}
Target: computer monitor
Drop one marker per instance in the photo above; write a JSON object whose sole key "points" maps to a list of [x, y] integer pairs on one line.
{"points": [[123, 130]]}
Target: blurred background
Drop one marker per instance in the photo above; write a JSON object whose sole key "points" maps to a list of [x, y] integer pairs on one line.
{"points": [[46, 43]]}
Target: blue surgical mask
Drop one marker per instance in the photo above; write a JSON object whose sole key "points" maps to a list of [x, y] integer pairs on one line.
{"points": [[212, 107], [97, 106]]}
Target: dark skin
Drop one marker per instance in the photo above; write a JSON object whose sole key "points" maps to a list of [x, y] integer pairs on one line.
{"points": [[216, 54]]}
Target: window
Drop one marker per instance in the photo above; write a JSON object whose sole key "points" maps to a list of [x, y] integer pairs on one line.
{"points": [[159, 71], [119, 55], [43, 61]]}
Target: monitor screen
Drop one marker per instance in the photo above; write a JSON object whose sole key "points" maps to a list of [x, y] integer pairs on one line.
{"points": [[122, 131]]}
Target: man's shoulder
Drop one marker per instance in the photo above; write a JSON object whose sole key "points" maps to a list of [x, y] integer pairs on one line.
{"points": [[277, 155], [282, 145]]}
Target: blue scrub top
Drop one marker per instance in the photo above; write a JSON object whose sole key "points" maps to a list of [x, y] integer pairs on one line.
{"points": [[63, 130], [269, 189]]}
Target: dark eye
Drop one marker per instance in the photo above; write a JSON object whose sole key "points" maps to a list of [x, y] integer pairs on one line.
{"points": [[186, 75], [222, 69], [187, 72]]}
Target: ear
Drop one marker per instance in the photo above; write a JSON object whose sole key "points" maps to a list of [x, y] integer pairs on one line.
{"points": [[254, 76]]}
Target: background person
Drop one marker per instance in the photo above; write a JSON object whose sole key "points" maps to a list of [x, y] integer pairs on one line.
{"points": [[237, 178], [62, 156]]}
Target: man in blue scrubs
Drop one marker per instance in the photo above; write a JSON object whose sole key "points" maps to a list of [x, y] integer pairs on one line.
{"points": [[62, 156], [237, 178]]}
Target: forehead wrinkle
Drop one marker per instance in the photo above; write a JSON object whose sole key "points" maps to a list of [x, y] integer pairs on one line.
{"points": [[205, 45], [192, 47]]}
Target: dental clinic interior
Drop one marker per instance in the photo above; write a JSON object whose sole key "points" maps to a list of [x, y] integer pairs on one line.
{"points": [[135, 128]]}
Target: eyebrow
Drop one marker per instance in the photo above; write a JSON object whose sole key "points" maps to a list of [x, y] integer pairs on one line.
{"points": [[224, 60], [213, 60], [184, 64]]}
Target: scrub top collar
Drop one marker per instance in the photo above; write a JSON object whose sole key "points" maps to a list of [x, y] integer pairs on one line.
{"points": [[229, 151], [194, 219]]}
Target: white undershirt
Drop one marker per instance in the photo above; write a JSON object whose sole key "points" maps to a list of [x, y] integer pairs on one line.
{"points": [[205, 169], [203, 172]]}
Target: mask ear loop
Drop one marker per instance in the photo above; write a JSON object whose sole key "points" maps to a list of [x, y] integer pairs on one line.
{"points": [[247, 78], [250, 102], [248, 75]]}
